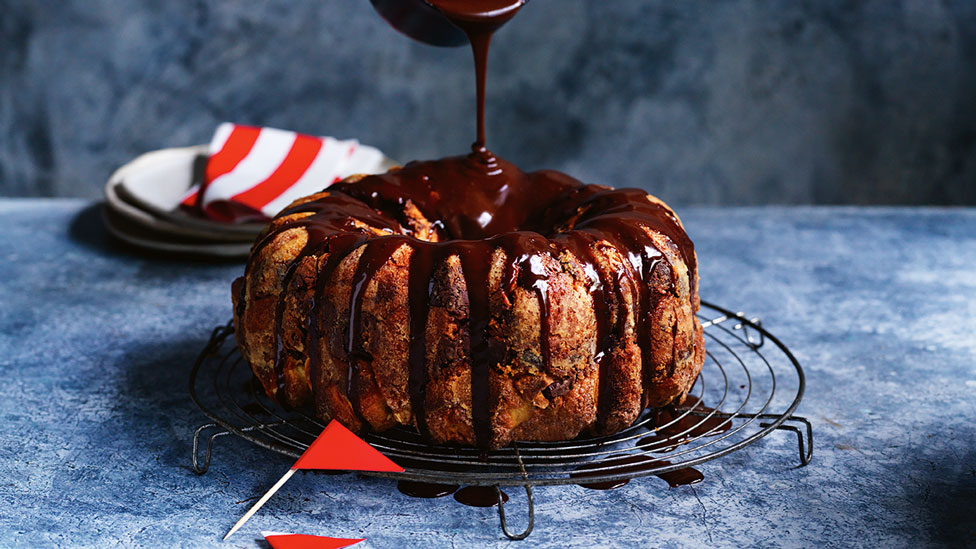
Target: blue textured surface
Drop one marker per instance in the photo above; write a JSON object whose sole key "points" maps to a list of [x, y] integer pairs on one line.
{"points": [[96, 344], [731, 102]]}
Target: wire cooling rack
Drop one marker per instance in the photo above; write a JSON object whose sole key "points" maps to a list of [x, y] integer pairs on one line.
{"points": [[746, 390]]}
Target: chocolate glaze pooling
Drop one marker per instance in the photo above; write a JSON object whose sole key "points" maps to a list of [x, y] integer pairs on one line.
{"points": [[675, 427], [634, 464], [425, 490], [479, 496]]}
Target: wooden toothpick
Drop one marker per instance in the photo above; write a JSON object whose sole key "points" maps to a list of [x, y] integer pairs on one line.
{"points": [[336, 449], [260, 502]]}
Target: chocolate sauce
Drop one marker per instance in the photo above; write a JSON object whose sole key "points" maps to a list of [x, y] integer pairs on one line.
{"points": [[634, 464], [479, 19], [673, 426], [680, 477], [516, 212], [479, 496], [479, 204], [425, 489]]}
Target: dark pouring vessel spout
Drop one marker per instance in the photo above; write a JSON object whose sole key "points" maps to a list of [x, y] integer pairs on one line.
{"points": [[418, 20]]}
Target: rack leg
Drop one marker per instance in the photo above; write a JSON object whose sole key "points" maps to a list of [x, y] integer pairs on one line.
{"points": [[200, 465], [752, 342], [501, 515], [806, 450]]}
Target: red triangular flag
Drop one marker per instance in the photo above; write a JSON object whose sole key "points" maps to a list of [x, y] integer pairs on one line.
{"points": [[303, 541], [338, 448], [335, 448]]}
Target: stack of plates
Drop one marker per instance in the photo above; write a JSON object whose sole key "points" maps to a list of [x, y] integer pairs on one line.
{"points": [[162, 177]]}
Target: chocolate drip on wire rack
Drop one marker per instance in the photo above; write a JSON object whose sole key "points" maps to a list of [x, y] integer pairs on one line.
{"points": [[740, 410]]}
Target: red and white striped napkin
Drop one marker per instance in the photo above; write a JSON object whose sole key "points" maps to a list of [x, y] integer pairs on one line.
{"points": [[253, 173]]}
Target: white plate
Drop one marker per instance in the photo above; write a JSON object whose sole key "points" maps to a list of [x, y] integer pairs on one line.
{"points": [[134, 194], [137, 235], [163, 176], [116, 200]]}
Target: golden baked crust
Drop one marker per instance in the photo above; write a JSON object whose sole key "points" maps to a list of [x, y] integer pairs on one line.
{"points": [[298, 349]]}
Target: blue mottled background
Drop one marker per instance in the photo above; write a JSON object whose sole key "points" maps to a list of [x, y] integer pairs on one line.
{"points": [[733, 102]]}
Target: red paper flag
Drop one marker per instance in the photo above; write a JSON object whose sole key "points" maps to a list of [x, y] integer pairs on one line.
{"points": [[302, 541], [338, 448], [335, 448]]}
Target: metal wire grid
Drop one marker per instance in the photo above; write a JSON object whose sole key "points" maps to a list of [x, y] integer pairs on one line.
{"points": [[742, 411]]}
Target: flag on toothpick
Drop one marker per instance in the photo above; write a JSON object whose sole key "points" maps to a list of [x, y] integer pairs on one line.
{"points": [[336, 448], [279, 540]]}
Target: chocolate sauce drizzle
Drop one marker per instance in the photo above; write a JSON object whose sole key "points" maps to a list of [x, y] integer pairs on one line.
{"points": [[480, 203], [676, 426], [634, 464], [479, 496], [673, 426], [479, 19], [426, 490], [519, 213]]}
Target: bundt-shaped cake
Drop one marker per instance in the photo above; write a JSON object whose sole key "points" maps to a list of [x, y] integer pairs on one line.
{"points": [[473, 301]]}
